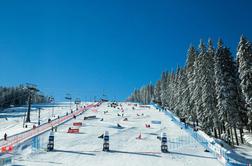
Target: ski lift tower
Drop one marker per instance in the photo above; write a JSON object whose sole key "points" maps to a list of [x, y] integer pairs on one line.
{"points": [[51, 100], [68, 97], [104, 97], [77, 102], [32, 89]]}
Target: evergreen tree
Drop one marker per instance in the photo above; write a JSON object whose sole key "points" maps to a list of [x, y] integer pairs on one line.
{"points": [[227, 91], [211, 89], [244, 60], [207, 78], [17, 96], [157, 92], [191, 56], [196, 85]]}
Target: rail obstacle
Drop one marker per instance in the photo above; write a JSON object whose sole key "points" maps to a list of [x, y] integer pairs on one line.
{"points": [[89, 117]]}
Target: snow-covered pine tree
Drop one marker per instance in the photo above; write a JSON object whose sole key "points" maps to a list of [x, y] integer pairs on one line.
{"points": [[171, 90], [150, 93], [187, 103], [244, 60], [166, 92], [207, 114], [227, 91], [163, 88], [181, 86], [176, 92], [157, 92], [243, 113], [242, 107], [195, 84]]}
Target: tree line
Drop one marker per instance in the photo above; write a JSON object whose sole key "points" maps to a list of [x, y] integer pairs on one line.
{"points": [[212, 90], [17, 96]]}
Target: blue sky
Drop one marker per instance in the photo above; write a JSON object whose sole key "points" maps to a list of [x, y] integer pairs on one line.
{"points": [[87, 48]]}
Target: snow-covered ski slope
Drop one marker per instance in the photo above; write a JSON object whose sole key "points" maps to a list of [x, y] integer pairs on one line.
{"points": [[85, 148], [11, 120], [18, 138]]}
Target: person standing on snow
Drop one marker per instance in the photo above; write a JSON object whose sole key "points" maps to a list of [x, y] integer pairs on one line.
{"points": [[5, 137]]}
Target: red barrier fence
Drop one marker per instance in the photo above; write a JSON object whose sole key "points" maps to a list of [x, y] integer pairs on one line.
{"points": [[13, 141]]}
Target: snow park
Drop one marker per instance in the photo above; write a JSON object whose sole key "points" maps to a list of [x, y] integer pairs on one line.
{"points": [[135, 137], [125, 83], [123, 133]]}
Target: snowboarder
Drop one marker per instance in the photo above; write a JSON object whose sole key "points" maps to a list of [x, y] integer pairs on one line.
{"points": [[101, 136], [139, 136], [118, 125], [147, 125]]}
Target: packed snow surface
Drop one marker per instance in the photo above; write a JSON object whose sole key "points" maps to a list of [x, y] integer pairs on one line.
{"points": [[85, 148]]}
